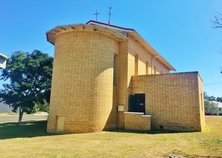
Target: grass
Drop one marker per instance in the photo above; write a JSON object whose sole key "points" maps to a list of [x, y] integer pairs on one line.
{"points": [[13, 113], [30, 139], [8, 113]]}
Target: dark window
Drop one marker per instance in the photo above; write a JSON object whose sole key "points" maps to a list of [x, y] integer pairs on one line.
{"points": [[137, 103]]}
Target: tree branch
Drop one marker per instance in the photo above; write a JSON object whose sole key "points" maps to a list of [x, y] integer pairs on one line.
{"points": [[218, 21]]}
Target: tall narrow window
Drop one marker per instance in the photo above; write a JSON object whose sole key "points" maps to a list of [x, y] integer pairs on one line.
{"points": [[147, 67], [201, 101], [154, 69], [114, 69], [136, 64]]}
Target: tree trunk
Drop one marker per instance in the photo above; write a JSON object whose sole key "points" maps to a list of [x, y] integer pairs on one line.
{"points": [[20, 114]]}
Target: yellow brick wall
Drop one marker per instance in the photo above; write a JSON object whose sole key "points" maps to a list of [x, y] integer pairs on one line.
{"points": [[121, 120], [172, 100], [84, 96], [122, 80], [136, 121], [143, 56], [159, 67], [122, 72], [201, 101], [82, 83]]}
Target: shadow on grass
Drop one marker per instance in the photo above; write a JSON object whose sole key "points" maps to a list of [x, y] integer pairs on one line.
{"points": [[148, 132], [29, 129], [24, 129]]}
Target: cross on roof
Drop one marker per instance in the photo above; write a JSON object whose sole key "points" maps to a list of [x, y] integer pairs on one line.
{"points": [[96, 14]]}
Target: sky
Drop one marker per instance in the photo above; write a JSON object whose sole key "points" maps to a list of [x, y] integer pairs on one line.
{"points": [[180, 30]]}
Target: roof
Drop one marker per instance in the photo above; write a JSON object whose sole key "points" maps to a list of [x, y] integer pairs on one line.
{"points": [[92, 22], [218, 103], [3, 56], [119, 33]]}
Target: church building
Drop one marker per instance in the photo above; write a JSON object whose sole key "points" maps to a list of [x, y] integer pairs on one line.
{"points": [[108, 77]]}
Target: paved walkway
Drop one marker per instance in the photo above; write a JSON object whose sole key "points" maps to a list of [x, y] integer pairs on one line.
{"points": [[14, 118]]}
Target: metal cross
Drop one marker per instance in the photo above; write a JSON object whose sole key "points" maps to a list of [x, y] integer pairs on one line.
{"points": [[96, 14], [110, 15]]}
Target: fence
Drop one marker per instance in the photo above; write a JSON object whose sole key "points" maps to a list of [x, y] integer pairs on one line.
{"points": [[5, 108]]}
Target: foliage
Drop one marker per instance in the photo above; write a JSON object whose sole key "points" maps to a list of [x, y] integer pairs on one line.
{"points": [[212, 98], [206, 97], [30, 80], [218, 21], [211, 107], [44, 107]]}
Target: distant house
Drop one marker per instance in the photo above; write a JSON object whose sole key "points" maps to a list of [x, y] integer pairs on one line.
{"points": [[3, 60], [219, 106], [5, 108]]}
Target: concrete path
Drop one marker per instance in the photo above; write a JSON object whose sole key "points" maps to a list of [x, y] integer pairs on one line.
{"points": [[14, 118]]}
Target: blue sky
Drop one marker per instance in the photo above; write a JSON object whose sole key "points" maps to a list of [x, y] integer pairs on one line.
{"points": [[180, 30]]}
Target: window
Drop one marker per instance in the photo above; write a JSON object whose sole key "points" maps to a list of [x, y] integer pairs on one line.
{"points": [[136, 64], [147, 67], [114, 69], [201, 101], [137, 103], [154, 69]]}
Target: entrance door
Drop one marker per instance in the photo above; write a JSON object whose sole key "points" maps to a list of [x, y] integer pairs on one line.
{"points": [[137, 103]]}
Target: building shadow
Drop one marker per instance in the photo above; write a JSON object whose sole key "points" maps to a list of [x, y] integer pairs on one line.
{"points": [[26, 129], [29, 129], [148, 132]]}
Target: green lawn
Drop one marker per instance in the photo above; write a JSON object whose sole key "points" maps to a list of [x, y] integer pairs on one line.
{"points": [[30, 139]]}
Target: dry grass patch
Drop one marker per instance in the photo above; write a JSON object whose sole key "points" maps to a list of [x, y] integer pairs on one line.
{"points": [[30, 139]]}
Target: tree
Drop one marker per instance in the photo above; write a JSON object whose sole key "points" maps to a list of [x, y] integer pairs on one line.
{"points": [[211, 107], [218, 21], [44, 107], [219, 99], [30, 78], [206, 97]]}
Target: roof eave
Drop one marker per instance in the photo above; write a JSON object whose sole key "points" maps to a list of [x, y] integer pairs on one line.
{"points": [[65, 28], [3, 56]]}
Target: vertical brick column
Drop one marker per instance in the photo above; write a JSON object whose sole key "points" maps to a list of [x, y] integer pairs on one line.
{"points": [[82, 83]]}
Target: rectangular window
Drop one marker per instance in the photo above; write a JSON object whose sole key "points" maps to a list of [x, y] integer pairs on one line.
{"points": [[154, 69], [136, 64], [147, 67], [114, 69], [201, 101]]}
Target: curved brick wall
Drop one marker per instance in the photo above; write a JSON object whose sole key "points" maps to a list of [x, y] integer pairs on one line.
{"points": [[82, 83]]}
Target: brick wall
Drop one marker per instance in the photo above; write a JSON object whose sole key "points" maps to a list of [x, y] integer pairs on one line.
{"points": [[143, 56], [82, 83], [173, 100], [83, 91], [201, 101], [136, 121], [121, 120]]}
